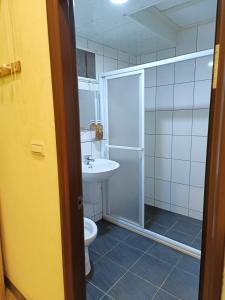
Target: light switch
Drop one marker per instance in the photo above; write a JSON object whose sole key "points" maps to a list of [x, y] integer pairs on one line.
{"points": [[37, 148]]}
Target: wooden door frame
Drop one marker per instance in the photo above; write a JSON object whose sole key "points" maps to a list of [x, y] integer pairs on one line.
{"points": [[65, 97], [213, 244]]}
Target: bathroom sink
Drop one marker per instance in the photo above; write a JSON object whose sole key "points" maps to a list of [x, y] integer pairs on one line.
{"points": [[99, 170]]}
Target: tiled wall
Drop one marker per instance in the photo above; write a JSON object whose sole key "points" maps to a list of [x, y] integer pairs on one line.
{"points": [[107, 59], [177, 98], [176, 125], [188, 41]]}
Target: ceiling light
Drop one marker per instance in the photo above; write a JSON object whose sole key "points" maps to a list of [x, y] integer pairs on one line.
{"points": [[119, 1]]}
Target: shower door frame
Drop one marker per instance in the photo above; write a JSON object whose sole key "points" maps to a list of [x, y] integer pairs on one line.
{"points": [[104, 112], [104, 116]]}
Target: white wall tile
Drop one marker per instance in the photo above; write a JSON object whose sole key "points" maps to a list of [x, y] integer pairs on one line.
{"points": [[150, 122], [163, 168], [184, 71], [182, 122], [162, 205], [164, 122], [195, 214], [146, 58], [150, 95], [150, 77], [149, 187], [123, 56], [197, 174], [163, 146], [81, 43], [162, 190], [179, 194], [203, 70], [110, 52], [122, 64], [181, 147], [179, 210], [149, 201], [199, 148], [149, 166], [206, 35], [167, 53], [110, 64], [133, 59], [186, 41], [183, 95], [165, 74], [164, 97], [99, 64], [97, 48], [202, 94], [180, 171], [149, 145], [196, 198], [200, 122]]}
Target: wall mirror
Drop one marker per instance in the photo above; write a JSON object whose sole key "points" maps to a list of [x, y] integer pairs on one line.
{"points": [[89, 106]]}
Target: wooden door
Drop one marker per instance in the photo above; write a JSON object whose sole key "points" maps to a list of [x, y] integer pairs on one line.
{"points": [[212, 263], [65, 97]]}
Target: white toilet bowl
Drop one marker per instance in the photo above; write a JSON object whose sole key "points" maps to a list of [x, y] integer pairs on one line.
{"points": [[90, 233]]}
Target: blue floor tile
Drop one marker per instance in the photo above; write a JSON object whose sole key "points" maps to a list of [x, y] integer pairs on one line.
{"points": [[92, 293], [189, 264], [104, 227], [182, 284], [139, 242], [124, 255], [120, 233], [130, 287], [155, 227], [180, 237], [93, 256], [165, 253], [103, 244], [197, 244], [163, 295], [187, 227], [106, 297], [105, 273], [152, 269], [165, 218]]}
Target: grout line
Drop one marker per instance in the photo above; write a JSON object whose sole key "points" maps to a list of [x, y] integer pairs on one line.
{"points": [[145, 252], [173, 268]]}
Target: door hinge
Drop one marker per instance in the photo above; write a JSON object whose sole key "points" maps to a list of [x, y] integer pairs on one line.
{"points": [[80, 202], [216, 64]]}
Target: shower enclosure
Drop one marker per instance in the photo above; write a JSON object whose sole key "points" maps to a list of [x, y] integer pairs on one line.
{"points": [[156, 124]]}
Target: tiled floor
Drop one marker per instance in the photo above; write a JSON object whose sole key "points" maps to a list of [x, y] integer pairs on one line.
{"points": [[128, 266], [178, 227]]}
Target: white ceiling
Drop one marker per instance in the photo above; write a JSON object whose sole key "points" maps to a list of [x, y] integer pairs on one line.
{"points": [[140, 26]]}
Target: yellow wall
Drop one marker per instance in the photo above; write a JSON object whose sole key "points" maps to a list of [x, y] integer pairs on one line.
{"points": [[29, 196]]}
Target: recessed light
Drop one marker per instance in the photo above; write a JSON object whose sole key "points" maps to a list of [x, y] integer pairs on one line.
{"points": [[210, 64], [119, 1]]}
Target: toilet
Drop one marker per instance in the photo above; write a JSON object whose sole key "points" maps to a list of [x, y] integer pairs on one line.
{"points": [[90, 233]]}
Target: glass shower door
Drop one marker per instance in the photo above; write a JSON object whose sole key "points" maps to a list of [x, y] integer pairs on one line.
{"points": [[125, 136]]}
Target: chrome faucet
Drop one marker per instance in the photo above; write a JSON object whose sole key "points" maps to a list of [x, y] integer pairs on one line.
{"points": [[88, 159]]}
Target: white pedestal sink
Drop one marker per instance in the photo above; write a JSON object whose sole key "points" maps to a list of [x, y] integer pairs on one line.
{"points": [[99, 170]]}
